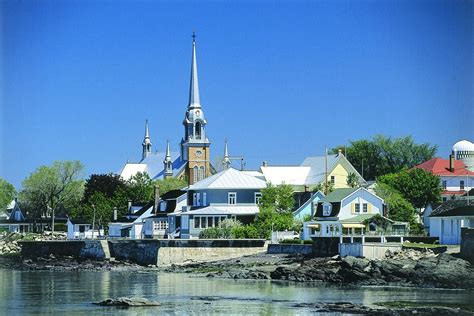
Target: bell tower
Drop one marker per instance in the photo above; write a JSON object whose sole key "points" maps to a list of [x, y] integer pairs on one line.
{"points": [[195, 146]]}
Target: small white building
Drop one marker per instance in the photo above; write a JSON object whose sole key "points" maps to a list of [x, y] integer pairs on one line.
{"points": [[81, 229], [131, 225], [447, 220]]}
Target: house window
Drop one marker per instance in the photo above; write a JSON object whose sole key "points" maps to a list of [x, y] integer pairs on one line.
{"points": [[461, 185], [445, 184], [364, 207], [197, 222], [333, 179], [357, 208], [204, 198], [160, 225], [210, 222], [196, 199], [327, 209], [258, 197], [232, 198], [445, 199]]}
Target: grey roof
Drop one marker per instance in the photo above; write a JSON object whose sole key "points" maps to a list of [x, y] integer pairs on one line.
{"points": [[454, 208], [229, 179]]}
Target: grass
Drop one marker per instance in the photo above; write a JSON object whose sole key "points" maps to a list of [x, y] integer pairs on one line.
{"points": [[416, 245]]}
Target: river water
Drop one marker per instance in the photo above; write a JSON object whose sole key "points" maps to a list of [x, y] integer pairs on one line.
{"points": [[72, 293]]}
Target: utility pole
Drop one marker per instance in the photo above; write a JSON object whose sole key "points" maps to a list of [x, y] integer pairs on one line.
{"points": [[326, 173], [362, 168], [93, 221]]}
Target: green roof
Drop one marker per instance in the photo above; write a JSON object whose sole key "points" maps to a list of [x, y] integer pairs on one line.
{"points": [[339, 194], [358, 219]]}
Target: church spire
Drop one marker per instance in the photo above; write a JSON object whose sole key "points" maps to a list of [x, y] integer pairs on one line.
{"points": [[168, 165], [194, 101], [146, 145], [226, 161]]}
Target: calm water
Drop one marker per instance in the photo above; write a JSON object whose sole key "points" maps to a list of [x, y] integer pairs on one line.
{"points": [[71, 293]]}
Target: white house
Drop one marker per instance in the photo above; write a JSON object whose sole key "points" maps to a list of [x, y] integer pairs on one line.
{"points": [[131, 225], [345, 212], [81, 229], [447, 220], [158, 224]]}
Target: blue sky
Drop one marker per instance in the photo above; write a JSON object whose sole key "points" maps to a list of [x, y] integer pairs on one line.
{"points": [[280, 80]]}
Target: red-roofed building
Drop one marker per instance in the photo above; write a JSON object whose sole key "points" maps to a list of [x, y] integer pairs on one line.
{"points": [[455, 178]]}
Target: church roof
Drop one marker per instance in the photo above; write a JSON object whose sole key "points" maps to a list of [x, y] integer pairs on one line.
{"points": [[153, 165], [229, 179]]}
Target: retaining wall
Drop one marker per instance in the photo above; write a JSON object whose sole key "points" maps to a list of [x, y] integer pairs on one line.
{"points": [[325, 246], [89, 249], [369, 251], [146, 252], [467, 244], [290, 249]]}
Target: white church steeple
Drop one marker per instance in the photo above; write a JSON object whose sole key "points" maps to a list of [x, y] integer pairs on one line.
{"points": [[146, 145]]}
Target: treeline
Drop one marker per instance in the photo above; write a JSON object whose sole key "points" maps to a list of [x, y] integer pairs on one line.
{"points": [[60, 189]]}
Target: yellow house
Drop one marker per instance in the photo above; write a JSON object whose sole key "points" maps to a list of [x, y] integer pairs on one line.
{"points": [[312, 172]]}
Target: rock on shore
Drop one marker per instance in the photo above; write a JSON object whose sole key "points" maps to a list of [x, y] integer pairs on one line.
{"points": [[127, 302], [406, 268]]}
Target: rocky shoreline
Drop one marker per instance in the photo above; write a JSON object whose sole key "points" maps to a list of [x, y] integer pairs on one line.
{"points": [[406, 268]]}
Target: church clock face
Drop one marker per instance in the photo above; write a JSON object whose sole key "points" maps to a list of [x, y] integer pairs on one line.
{"points": [[198, 153], [198, 113]]}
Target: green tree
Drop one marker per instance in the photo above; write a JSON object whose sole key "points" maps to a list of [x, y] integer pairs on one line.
{"points": [[352, 180], [7, 193], [53, 189], [383, 155], [167, 185], [139, 188], [398, 209], [278, 198], [107, 184], [269, 220], [322, 187], [417, 186]]}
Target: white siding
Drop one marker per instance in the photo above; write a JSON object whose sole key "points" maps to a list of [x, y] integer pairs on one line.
{"points": [[360, 196]]}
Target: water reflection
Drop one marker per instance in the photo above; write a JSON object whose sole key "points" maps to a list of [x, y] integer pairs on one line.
{"points": [[72, 292]]}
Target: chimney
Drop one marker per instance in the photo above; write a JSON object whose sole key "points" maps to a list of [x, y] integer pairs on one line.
{"points": [[339, 152], [115, 213], [306, 188], [129, 206], [156, 194], [451, 163], [265, 163]]}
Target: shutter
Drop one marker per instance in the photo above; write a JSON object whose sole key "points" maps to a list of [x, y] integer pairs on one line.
{"points": [[353, 208], [369, 208]]}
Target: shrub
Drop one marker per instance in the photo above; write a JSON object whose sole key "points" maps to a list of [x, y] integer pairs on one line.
{"points": [[307, 242], [211, 233], [247, 231]]}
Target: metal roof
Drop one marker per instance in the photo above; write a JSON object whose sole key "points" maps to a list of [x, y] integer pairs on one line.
{"points": [[229, 179], [225, 210], [153, 165]]}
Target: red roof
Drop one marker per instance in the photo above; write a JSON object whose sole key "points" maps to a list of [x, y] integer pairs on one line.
{"points": [[440, 167]]}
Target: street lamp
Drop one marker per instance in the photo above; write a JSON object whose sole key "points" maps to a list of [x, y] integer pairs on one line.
{"points": [[93, 221]]}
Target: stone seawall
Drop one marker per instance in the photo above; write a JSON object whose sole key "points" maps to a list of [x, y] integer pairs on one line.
{"points": [[467, 244], [290, 249], [147, 252], [87, 249]]}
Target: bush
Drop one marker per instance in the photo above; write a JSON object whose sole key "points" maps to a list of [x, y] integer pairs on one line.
{"points": [[308, 242], [211, 233], [242, 232], [60, 227]]}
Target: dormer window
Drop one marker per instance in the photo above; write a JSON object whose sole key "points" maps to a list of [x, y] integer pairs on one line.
{"points": [[461, 185], [232, 198], [327, 208]]}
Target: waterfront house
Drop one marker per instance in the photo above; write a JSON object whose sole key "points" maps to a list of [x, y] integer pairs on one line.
{"points": [[447, 220], [159, 224], [227, 194], [131, 225], [306, 209], [349, 211], [311, 173], [81, 229]]}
